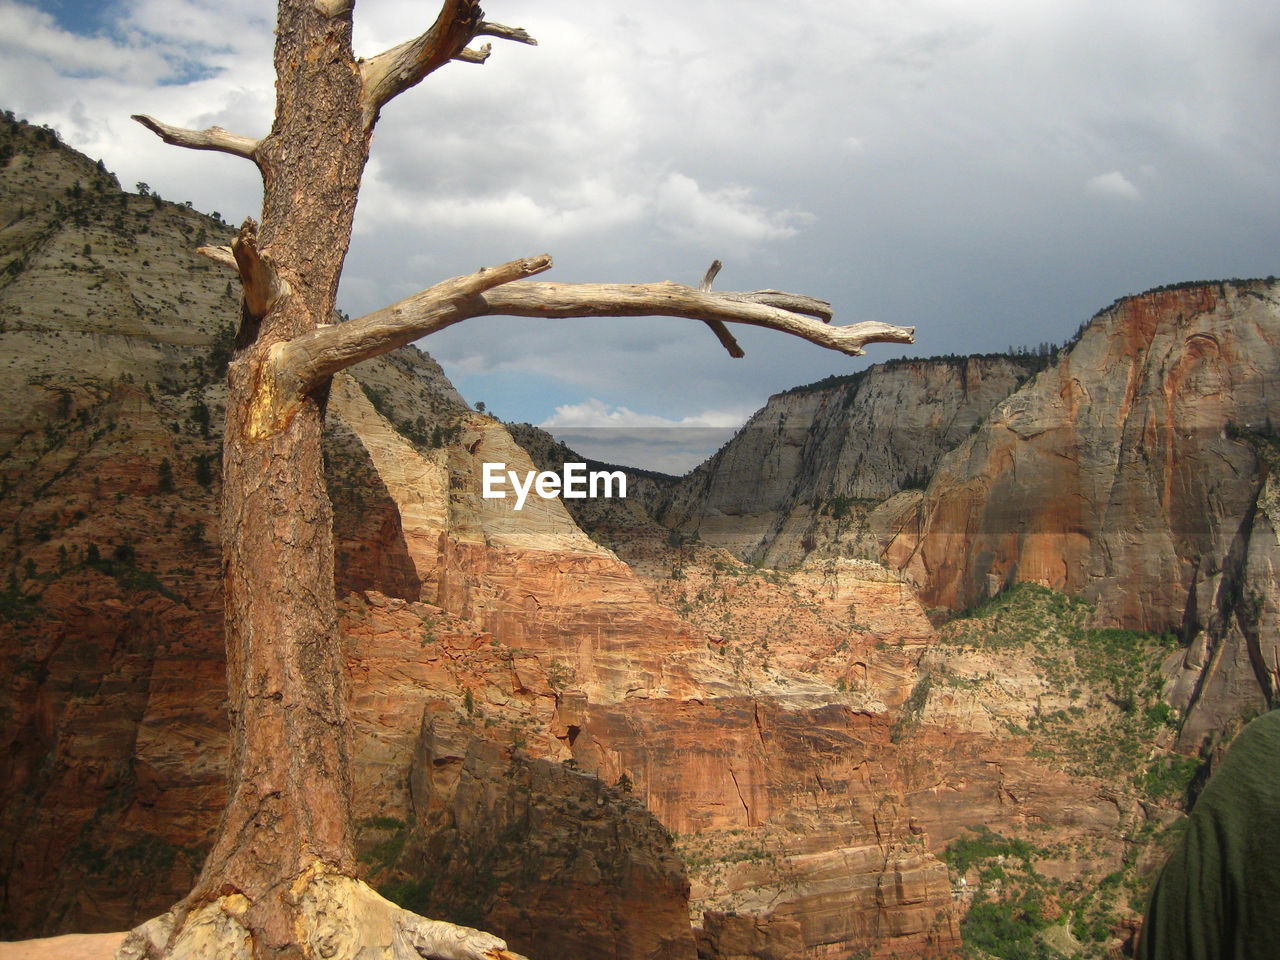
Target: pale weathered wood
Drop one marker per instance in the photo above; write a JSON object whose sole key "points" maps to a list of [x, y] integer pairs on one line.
{"points": [[333, 8], [475, 55], [541, 299], [793, 302], [722, 333], [215, 138], [503, 32], [306, 362], [403, 66], [219, 255]]}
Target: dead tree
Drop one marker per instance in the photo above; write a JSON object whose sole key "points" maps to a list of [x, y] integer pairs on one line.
{"points": [[279, 880]]}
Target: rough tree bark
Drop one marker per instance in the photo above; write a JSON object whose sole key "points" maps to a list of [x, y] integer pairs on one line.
{"points": [[279, 880]]}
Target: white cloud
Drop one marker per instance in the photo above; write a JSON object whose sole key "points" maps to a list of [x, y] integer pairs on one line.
{"points": [[597, 413], [616, 434], [914, 161], [31, 38], [1113, 184], [727, 215]]}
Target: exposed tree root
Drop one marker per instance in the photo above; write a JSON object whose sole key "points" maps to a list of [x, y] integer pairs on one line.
{"points": [[338, 918]]}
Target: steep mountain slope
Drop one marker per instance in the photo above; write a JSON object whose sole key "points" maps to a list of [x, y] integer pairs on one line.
{"points": [[795, 479], [1133, 472], [112, 712]]}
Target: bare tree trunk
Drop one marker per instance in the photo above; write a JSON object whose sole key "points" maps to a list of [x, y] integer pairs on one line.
{"points": [[289, 806], [278, 882]]}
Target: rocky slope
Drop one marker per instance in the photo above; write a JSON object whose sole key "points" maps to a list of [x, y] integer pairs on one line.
{"points": [[793, 482], [579, 747], [112, 711]]}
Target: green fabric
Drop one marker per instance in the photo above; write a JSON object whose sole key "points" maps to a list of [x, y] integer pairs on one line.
{"points": [[1218, 897]]}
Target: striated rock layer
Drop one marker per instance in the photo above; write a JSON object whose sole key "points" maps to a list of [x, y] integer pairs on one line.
{"points": [[1132, 473], [789, 482], [1131, 470]]}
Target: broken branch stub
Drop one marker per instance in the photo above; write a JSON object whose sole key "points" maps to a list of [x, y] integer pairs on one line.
{"points": [[262, 285], [214, 138], [722, 333]]}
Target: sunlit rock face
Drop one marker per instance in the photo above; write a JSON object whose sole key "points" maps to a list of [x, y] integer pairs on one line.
{"points": [[795, 480], [1132, 473]]}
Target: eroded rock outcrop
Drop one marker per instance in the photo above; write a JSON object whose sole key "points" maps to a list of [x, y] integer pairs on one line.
{"points": [[781, 488], [1132, 473]]}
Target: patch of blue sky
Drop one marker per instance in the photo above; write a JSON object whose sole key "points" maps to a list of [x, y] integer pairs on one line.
{"points": [[87, 18], [186, 70]]}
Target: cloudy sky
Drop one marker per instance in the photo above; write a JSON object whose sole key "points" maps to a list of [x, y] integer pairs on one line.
{"points": [[991, 172]]}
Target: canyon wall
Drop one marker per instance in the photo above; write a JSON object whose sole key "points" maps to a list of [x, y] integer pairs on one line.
{"points": [[784, 486], [1131, 470]]}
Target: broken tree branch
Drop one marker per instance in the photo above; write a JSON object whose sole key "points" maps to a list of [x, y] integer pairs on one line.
{"points": [[215, 138], [474, 55], [719, 329], [308, 361], [396, 70], [262, 285], [222, 256], [503, 32]]}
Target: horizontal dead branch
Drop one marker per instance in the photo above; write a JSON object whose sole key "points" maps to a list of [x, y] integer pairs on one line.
{"points": [[559, 300], [308, 361], [215, 138]]}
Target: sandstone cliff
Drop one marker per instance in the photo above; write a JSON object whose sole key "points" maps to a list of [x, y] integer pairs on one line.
{"points": [[1132, 473], [797, 478]]}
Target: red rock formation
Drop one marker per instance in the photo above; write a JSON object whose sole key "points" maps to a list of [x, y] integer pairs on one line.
{"points": [[1114, 474]]}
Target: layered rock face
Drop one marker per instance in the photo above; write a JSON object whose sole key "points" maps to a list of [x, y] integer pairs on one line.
{"points": [[781, 488], [1120, 473], [1131, 472]]}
